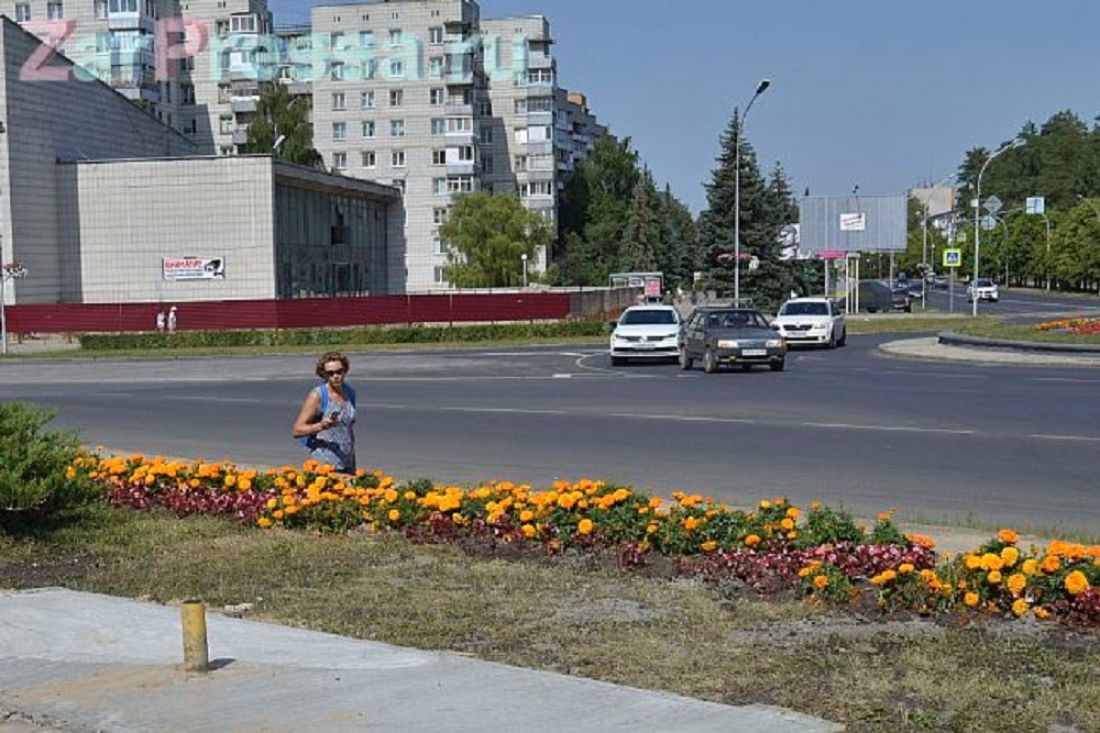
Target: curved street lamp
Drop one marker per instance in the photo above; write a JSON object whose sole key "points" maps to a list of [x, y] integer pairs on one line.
{"points": [[10, 271], [760, 89], [978, 213]]}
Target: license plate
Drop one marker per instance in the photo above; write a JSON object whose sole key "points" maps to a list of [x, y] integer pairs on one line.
{"points": [[647, 346], [754, 352]]}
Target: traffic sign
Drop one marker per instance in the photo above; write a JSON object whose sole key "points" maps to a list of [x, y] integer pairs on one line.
{"points": [[993, 204], [952, 257], [989, 223], [1036, 205]]}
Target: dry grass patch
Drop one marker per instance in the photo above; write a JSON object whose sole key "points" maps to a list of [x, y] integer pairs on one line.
{"points": [[584, 617]]}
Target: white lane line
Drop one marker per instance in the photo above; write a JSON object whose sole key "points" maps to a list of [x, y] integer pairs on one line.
{"points": [[1069, 438], [886, 428], [197, 398], [1064, 380], [580, 364], [683, 418]]}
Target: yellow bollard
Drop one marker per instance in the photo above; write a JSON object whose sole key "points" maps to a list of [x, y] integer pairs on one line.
{"points": [[196, 656]]}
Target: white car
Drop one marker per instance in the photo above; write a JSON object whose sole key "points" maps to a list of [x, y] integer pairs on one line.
{"points": [[815, 321], [983, 289], [646, 332]]}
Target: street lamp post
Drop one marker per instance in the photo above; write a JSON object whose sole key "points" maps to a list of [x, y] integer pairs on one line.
{"points": [[760, 89], [978, 212], [924, 239], [10, 271], [524, 258]]}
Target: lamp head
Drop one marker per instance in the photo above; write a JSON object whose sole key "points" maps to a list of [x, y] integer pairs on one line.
{"points": [[763, 86]]}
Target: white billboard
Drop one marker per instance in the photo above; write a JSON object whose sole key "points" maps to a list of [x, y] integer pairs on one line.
{"points": [[853, 222], [193, 268]]}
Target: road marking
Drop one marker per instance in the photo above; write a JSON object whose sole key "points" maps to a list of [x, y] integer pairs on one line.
{"points": [[580, 364], [683, 418], [196, 398], [1065, 380], [886, 428], [1071, 438]]}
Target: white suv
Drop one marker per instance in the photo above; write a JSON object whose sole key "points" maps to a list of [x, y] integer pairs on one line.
{"points": [[983, 289], [815, 321], [646, 332]]}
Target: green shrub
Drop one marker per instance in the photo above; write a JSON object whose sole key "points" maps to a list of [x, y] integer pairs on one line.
{"points": [[343, 336], [829, 526], [35, 475]]}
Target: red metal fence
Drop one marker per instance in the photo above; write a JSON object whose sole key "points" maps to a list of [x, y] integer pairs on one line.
{"points": [[306, 313]]}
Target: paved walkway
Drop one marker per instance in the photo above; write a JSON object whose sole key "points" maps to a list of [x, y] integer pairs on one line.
{"points": [[930, 348], [81, 661]]}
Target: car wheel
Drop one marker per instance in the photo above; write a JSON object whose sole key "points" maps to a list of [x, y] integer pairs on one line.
{"points": [[710, 361], [618, 360], [778, 366], [686, 362], [832, 340], [843, 340]]}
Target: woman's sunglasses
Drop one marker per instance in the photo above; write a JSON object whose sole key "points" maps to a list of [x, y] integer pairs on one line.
{"points": [[335, 372]]}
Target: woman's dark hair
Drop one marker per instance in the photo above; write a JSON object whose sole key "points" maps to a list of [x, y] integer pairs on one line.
{"points": [[331, 356]]}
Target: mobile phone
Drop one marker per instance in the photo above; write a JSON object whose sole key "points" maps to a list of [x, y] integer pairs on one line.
{"points": [[335, 416]]}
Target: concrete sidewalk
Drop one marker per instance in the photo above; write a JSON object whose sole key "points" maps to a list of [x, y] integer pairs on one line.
{"points": [[930, 348], [86, 662]]}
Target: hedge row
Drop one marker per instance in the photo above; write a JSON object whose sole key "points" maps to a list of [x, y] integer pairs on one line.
{"points": [[341, 336]]}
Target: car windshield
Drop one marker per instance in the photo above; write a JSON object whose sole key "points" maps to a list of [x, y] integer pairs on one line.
{"points": [[985, 283], [648, 317], [804, 309], [735, 319]]}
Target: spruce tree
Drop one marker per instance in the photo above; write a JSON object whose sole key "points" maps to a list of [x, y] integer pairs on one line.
{"points": [[642, 235]]}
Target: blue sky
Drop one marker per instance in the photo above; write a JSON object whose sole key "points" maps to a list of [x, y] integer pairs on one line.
{"points": [[880, 93]]}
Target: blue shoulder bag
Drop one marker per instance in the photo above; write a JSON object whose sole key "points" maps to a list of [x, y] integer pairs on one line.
{"points": [[310, 441]]}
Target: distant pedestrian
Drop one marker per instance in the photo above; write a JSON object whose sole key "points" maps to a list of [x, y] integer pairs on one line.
{"points": [[161, 320], [694, 297], [326, 422], [172, 322]]}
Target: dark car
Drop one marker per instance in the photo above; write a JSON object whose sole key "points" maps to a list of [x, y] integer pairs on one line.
{"points": [[742, 336], [877, 297]]}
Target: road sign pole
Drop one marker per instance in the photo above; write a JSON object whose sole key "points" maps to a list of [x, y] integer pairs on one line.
{"points": [[951, 297]]}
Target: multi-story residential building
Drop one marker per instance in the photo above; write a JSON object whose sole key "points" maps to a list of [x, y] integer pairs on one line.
{"points": [[430, 97]]}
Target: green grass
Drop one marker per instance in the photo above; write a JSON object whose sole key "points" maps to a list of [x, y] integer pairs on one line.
{"points": [[909, 322], [1023, 332], [583, 616]]}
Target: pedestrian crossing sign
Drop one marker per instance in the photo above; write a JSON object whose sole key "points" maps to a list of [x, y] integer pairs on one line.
{"points": [[952, 257]]}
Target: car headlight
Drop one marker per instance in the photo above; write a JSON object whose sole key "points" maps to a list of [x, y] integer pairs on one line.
{"points": [[728, 344], [774, 343]]}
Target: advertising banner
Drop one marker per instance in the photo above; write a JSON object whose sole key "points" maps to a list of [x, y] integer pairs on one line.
{"points": [[193, 268]]}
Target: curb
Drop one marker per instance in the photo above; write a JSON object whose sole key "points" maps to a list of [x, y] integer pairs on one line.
{"points": [[951, 338]]}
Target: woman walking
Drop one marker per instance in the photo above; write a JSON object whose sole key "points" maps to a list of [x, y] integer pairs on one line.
{"points": [[326, 422]]}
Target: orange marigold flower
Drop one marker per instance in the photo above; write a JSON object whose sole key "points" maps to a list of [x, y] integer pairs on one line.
{"points": [[1050, 564], [821, 582], [1030, 566], [906, 568], [752, 540], [888, 575], [787, 524], [272, 503], [651, 528], [585, 526], [1019, 607], [1009, 536], [1076, 583], [815, 504], [394, 515], [1017, 582], [994, 577], [709, 546], [806, 571], [1010, 555], [877, 580], [971, 599], [1042, 613], [793, 512], [263, 522], [992, 562], [973, 562], [885, 516], [526, 515], [765, 504], [528, 531]]}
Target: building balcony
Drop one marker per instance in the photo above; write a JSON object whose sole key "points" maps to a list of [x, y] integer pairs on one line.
{"points": [[297, 88], [130, 22], [540, 89], [540, 118], [458, 110], [461, 168], [540, 147], [466, 137], [240, 137], [540, 175], [243, 105], [540, 202], [459, 77], [135, 92], [540, 61]]}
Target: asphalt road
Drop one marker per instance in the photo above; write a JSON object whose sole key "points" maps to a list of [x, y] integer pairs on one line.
{"points": [[1013, 302], [1007, 445]]}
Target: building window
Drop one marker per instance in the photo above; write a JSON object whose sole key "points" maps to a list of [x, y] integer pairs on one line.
{"points": [[123, 6], [368, 128], [439, 157], [465, 153], [400, 184], [536, 188], [55, 11], [436, 96], [441, 246], [336, 72], [397, 97], [439, 126], [435, 35], [339, 131], [395, 37], [435, 67], [336, 40], [339, 101], [521, 135], [243, 24], [486, 135], [438, 276], [366, 39], [369, 159], [340, 160], [367, 100], [439, 186], [397, 128], [486, 108], [439, 216], [520, 163], [540, 104], [521, 106], [101, 9], [397, 159], [22, 12], [486, 164], [397, 68], [540, 76], [460, 124], [460, 184], [225, 124], [370, 68]]}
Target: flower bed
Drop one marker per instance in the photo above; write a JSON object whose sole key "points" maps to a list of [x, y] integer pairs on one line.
{"points": [[819, 551], [1076, 326]]}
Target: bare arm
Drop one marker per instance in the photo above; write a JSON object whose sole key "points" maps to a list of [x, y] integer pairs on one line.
{"points": [[302, 426]]}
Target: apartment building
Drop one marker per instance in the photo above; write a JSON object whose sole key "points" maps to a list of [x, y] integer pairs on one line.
{"points": [[428, 96], [208, 96]]}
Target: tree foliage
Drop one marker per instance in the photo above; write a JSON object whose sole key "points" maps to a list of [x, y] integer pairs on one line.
{"points": [[487, 237], [277, 114]]}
